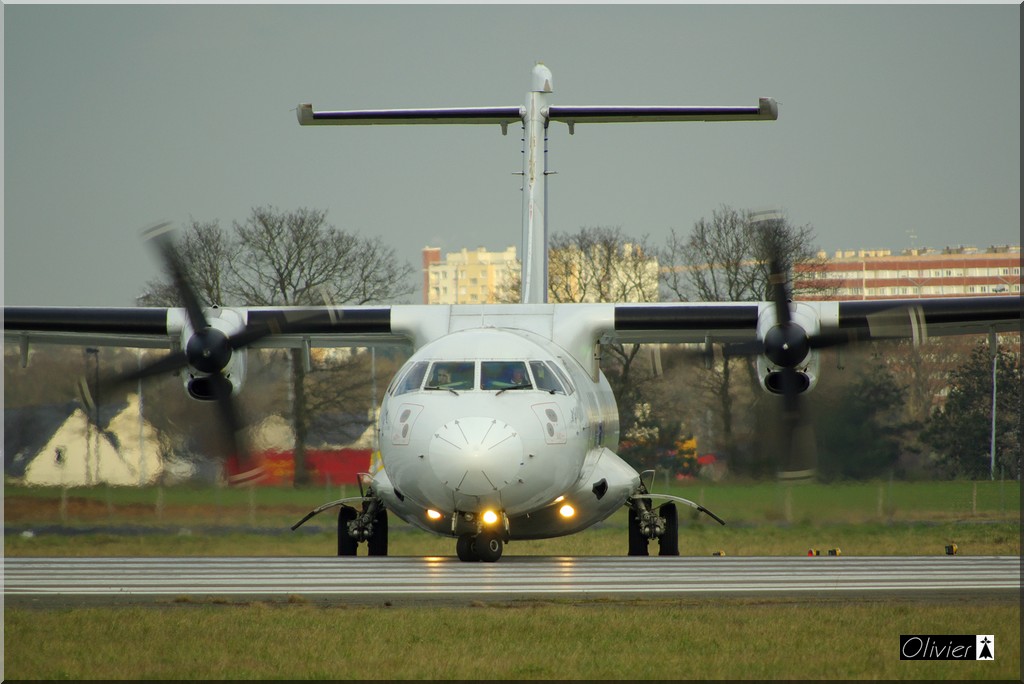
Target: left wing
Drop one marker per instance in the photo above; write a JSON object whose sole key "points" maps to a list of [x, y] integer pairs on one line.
{"points": [[169, 328]]}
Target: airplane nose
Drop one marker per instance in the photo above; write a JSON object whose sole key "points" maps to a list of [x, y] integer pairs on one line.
{"points": [[476, 455]]}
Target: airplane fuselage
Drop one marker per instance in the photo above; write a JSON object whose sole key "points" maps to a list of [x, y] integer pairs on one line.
{"points": [[500, 420]]}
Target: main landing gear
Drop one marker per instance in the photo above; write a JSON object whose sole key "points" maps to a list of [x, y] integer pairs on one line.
{"points": [[486, 546], [647, 523], [369, 525]]}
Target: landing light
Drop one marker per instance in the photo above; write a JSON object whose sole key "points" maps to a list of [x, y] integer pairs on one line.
{"points": [[560, 499], [432, 514], [567, 511], [490, 517]]}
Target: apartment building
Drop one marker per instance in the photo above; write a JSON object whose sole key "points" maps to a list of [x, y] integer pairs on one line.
{"points": [[918, 273], [475, 276], [479, 276], [482, 277]]}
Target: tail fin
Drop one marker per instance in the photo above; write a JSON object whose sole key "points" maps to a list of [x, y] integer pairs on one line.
{"points": [[535, 116]]}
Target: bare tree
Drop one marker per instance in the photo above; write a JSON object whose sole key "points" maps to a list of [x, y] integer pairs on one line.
{"points": [[603, 264], [728, 259]]}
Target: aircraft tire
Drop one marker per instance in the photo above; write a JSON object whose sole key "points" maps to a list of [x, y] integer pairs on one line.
{"points": [[669, 541], [488, 547], [377, 544], [347, 546], [464, 549], [637, 541]]}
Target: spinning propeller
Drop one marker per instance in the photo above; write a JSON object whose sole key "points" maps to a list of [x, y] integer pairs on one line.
{"points": [[787, 345], [207, 353]]}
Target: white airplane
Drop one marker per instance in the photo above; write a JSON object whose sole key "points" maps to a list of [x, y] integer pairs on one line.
{"points": [[501, 425]]}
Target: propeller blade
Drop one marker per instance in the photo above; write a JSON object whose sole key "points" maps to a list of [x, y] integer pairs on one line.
{"points": [[250, 335], [170, 363], [786, 345], [229, 415], [798, 458], [160, 237], [240, 465], [751, 348], [777, 279], [832, 338]]}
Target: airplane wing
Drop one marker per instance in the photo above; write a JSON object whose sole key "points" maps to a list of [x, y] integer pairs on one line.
{"points": [[646, 323], [853, 320], [163, 327]]}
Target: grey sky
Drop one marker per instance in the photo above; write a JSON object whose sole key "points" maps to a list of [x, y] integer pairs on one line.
{"points": [[894, 121]]}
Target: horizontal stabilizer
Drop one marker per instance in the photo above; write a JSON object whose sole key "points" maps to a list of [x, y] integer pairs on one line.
{"points": [[766, 110], [444, 115]]}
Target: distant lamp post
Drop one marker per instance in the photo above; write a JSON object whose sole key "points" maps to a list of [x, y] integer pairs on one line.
{"points": [[993, 346], [96, 406]]}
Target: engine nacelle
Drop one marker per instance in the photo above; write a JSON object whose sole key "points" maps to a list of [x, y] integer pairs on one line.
{"points": [[214, 367], [206, 387], [771, 377], [788, 346]]}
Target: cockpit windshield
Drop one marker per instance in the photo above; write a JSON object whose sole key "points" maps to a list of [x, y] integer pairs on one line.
{"points": [[546, 378], [494, 375], [451, 375], [412, 379], [499, 375]]}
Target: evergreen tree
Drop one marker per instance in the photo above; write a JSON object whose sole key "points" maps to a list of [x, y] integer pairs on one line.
{"points": [[860, 434], [961, 432]]}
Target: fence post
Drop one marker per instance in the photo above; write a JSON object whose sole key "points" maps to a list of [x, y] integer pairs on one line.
{"points": [[252, 505]]}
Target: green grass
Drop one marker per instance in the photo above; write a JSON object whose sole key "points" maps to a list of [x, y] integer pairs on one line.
{"points": [[878, 518], [735, 502], [607, 539], [592, 639], [670, 639]]}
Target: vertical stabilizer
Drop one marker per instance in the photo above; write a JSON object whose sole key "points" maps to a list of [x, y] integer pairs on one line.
{"points": [[535, 221]]}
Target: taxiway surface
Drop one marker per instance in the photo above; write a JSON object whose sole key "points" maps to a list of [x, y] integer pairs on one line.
{"points": [[415, 579]]}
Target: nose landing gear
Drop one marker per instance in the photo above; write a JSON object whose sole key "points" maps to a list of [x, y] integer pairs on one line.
{"points": [[646, 524], [370, 525], [486, 546]]}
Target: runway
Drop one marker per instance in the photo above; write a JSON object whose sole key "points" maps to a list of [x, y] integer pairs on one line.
{"points": [[446, 579]]}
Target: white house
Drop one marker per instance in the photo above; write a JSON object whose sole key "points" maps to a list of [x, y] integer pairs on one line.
{"points": [[76, 455]]}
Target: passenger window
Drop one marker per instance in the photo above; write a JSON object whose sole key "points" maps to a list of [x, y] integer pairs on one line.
{"points": [[455, 375], [499, 375], [546, 378]]}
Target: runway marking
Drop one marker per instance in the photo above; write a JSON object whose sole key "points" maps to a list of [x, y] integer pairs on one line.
{"points": [[516, 576]]}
